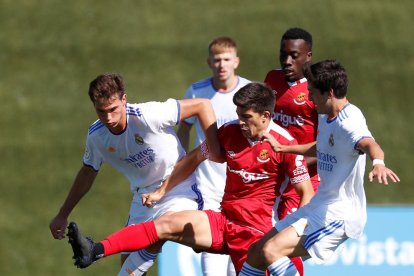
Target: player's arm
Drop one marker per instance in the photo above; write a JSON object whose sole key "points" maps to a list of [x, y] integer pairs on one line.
{"points": [[305, 149], [203, 109], [375, 153], [82, 184], [181, 171], [305, 191], [183, 134]]}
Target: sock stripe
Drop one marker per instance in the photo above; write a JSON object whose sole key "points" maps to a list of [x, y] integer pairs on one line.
{"points": [[147, 256], [248, 270]]}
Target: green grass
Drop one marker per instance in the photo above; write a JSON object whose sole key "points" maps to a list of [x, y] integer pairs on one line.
{"points": [[51, 50]]}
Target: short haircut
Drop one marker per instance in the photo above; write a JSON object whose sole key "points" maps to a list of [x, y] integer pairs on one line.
{"points": [[256, 96], [298, 33], [326, 75], [106, 86], [221, 44]]}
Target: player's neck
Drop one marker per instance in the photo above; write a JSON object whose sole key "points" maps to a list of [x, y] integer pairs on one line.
{"points": [[337, 107], [227, 85]]}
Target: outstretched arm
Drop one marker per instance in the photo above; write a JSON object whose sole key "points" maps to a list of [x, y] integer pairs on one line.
{"points": [[203, 109], [80, 187], [305, 149], [375, 153], [181, 171]]}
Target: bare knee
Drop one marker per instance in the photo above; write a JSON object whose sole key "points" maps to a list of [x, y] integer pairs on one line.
{"points": [[270, 253]]}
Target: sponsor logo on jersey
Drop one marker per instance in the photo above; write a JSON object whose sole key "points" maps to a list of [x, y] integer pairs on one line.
{"points": [[300, 98], [138, 139], [111, 149], [286, 120], [248, 177], [331, 140], [263, 156], [141, 159], [326, 161]]}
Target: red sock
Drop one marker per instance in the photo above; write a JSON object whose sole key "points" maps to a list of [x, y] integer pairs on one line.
{"points": [[130, 238], [297, 261]]}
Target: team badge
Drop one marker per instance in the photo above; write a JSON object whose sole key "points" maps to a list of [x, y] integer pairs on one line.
{"points": [[263, 156], [331, 140], [111, 149], [138, 139], [300, 98]]}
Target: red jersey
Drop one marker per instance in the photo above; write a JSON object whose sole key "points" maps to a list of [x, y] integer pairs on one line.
{"points": [[297, 114], [255, 174], [293, 110]]}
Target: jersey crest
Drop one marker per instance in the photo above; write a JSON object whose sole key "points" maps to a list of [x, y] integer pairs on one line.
{"points": [[263, 156], [138, 139], [300, 98], [331, 140]]}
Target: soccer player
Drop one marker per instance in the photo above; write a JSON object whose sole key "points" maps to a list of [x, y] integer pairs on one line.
{"points": [[254, 174], [338, 210], [211, 176], [139, 141], [293, 109]]}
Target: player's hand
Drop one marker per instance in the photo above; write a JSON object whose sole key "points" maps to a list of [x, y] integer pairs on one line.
{"points": [[382, 173], [151, 199], [269, 138], [58, 226]]}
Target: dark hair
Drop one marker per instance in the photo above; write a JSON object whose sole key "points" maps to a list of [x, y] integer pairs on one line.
{"points": [[256, 96], [106, 86], [326, 75], [298, 33]]}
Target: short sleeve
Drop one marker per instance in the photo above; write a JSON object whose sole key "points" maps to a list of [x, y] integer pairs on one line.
{"points": [[91, 157], [189, 94], [159, 115]]}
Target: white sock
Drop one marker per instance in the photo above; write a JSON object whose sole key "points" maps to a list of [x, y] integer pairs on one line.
{"points": [[283, 266], [248, 270], [137, 263]]}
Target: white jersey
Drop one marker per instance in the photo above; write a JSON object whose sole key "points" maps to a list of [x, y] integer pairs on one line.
{"points": [[211, 176], [341, 168], [146, 151]]}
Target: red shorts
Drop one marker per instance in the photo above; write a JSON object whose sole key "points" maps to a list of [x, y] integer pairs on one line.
{"points": [[231, 238]]}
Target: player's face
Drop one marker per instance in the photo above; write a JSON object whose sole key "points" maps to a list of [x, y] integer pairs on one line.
{"points": [[293, 54], [320, 100], [252, 124], [224, 64], [112, 113]]}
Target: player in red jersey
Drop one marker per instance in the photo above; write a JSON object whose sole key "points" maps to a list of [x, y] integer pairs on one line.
{"points": [[293, 109], [254, 175]]}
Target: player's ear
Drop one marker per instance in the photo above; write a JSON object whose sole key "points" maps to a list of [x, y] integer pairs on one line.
{"points": [[236, 63], [309, 56], [266, 115]]}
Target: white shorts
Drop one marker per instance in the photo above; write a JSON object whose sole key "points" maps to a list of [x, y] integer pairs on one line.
{"points": [[323, 236]]}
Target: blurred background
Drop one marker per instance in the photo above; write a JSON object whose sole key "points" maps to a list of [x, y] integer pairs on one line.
{"points": [[51, 50]]}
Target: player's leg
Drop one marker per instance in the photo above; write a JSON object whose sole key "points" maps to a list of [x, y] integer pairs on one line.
{"points": [[216, 265], [190, 228], [139, 262], [271, 251]]}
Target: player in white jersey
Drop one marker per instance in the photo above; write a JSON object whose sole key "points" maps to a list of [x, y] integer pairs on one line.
{"points": [[338, 209], [139, 141], [211, 176]]}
